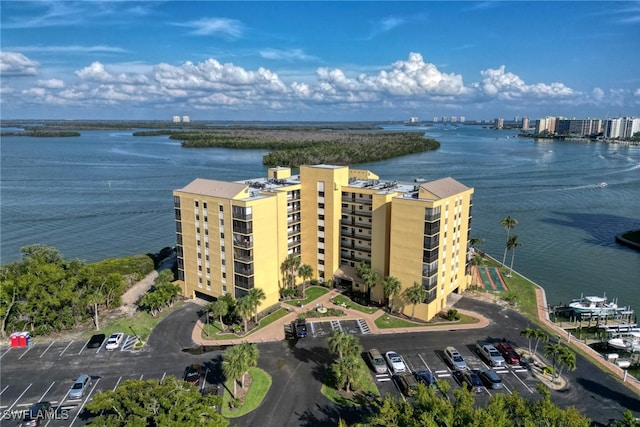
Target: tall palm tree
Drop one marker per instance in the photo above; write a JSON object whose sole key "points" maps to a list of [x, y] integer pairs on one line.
{"points": [[540, 336], [249, 354], [368, 275], [529, 334], [554, 351], [293, 261], [566, 359], [344, 345], [509, 224], [233, 366], [306, 272], [512, 244], [244, 308], [417, 293], [392, 287], [220, 308], [345, 370], [256, 295]]}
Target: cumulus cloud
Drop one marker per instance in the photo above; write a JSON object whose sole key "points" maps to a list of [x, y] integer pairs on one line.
{"points": [[598, 94], [508, 86], [96, 72], [226, 27], [50, 84], [16, 64]]}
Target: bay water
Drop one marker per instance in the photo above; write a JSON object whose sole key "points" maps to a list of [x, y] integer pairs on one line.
{"points": [[109, 194]]}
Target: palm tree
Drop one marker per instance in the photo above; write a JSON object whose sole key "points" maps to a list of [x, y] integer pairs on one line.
{"points": [[256, 295], [249, 354], [554, 351], [368, 275], [529, 334], [220, 308], [392, 287], [233, 366], [509, 224], [566, 359], [512, 244], [540, 336], [417, 293], [306, 272], [293, 261], [344, 345], [345, 370], [244, 308]]}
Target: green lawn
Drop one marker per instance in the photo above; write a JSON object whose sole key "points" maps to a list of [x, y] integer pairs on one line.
{"points": [[387, 321], [260, 385], [312, 293], [211, 331], [348, 303]]}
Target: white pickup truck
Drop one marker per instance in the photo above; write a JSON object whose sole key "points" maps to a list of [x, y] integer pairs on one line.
{"points": [[490, 354]]}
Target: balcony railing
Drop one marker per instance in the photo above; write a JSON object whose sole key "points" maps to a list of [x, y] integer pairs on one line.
{"points": [[353, 223]]}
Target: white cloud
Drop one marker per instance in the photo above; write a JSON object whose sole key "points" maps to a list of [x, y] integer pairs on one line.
{"points": [[50, 84], [96, 72], [508, 86], [598, 94], [226, 27], [16, 64], [71, 49], [390, 23], [287, 55], [637, 92]]}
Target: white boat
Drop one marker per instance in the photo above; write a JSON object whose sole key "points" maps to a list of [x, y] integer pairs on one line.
{"points": [[602, 184], [624, 364], [627, 341], [593, 305], [621, 327]]}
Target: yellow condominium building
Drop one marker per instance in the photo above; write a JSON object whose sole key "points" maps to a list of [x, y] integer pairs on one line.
{"points": [[234, 236]]}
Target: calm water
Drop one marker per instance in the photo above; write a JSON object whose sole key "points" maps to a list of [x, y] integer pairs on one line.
{"points": [[108, 194]]}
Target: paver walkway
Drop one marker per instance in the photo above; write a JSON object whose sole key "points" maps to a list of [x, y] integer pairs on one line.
{"points": [[275, 330]]}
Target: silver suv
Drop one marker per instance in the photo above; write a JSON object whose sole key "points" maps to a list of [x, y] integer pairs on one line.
{"points": [[79, 387], [455, 359]]}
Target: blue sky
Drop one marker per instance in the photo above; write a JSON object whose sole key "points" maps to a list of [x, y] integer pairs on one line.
{"points": [[319, 60]]}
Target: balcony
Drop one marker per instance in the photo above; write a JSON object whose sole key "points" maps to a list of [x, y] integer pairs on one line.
{"points": [[346, 244], [242, 228], [248, 271], [357, 212], [356, 224], [242, 241]]}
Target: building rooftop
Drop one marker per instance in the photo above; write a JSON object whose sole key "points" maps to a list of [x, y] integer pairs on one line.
{"points": [[444, 187], [210, 187]]}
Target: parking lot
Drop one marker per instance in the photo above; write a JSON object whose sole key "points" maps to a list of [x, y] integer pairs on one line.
{"points": [[46, 371]]}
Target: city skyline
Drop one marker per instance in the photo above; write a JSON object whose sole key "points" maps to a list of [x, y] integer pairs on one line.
{"points": [[319, 60]]}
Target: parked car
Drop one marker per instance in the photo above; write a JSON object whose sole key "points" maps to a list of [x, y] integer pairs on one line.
{"points": [[36, 414], [509, 354], [79, 387], [114, 341], [376, 361], [471, 380], [192, 374], [427, 378], [455, 359], [300, 328], [490, 354], [395, 362], [490, 379], [96, 341], [407, 383]]}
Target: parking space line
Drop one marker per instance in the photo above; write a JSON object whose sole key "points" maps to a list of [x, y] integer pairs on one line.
{"points": [[124, 345], [526, 386], [507, 388], [26, 351], [83, 347], [5, 387], [5, 352], [65, 349], [117, 382], [101, 346], [47, 391], [45, 350], [425, 363], [164, 374], [20, 397], [84, 402], [141, 377]]}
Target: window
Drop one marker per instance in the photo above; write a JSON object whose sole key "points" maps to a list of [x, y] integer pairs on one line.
{"points": [[320, 205], [222, 223], [320, 251], [320, 228], [320, 193], [320, 239], [196, 203], [221, 208]]}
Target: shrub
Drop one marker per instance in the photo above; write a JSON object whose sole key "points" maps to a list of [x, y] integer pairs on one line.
{"points": [[453, 314]]}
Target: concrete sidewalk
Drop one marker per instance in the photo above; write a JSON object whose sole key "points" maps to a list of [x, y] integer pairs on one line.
{"points": [[275, 330]]}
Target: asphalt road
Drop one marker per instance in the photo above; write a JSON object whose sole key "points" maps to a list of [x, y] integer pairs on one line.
{"points": [[47, 369]]}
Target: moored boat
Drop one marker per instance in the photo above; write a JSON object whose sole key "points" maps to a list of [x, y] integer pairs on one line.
{"points": [[628, 341], [593, 305]]}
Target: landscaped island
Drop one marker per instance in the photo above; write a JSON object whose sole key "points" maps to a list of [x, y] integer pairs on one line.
{"points": [[307, 145], [42, 134]]}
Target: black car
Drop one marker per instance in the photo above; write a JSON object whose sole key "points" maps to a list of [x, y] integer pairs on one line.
{"points": [[490, 379], [96, 341], [36, 414], [300, 328], [471, 380], [407, 383], [192, 374]]}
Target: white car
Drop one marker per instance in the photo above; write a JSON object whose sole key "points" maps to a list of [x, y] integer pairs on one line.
{"points": [[114, 341], [395, 362]]}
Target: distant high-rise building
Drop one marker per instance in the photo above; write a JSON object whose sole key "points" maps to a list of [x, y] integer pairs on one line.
{"points": [[516, 119], [576, 127], [454, 119], [186, 119], [435, 119], [546, 125], [176, 119], [621, 127], [498, 123], [444, 119], [461, 119], [525, 123]]}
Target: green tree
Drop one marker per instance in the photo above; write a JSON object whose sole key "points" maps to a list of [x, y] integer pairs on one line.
{"points": [[256, 296], [540, 336], [529, 334], [344, 371], [344, 345], [416, 294], [237, 360], [512, 244], [392, 288], [554, 351], [509, 224], [289, 268], [368, 275], [244, 308], [152, 302], [220, 308], [566, 359], [152, 403], [306, 272]]}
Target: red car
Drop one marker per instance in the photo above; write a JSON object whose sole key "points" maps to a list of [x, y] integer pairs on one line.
{"points": [[509, 354]]}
